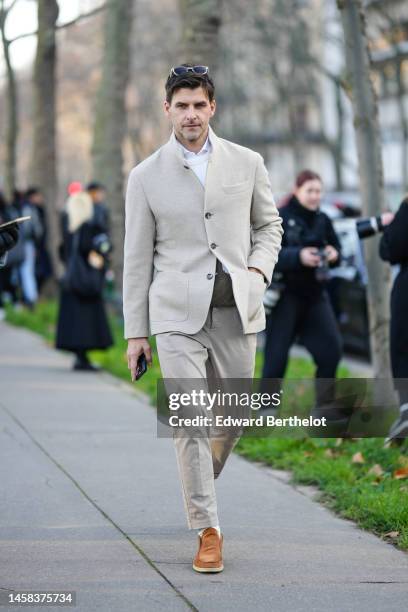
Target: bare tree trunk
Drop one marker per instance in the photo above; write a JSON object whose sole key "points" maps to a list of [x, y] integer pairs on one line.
{"points": [[43, 162], [339, 142], [110, 121], [12, 111], [404, 126], [391, 32], [371, 174], [201, 21]]}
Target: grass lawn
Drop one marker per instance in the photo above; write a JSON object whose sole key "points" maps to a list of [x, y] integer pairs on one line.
{"points": [[359, 478]]}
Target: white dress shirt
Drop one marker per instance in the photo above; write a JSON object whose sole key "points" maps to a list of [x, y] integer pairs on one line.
{"points": [[198, 162]]}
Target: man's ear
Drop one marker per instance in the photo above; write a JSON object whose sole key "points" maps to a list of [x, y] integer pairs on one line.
{"points": [[166, 107], [214, 106]]}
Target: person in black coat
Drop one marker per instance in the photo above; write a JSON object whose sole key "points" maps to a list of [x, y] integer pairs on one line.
{"points": [[8, 240], [310, 247], [394, 249], [43, 264], [97, 192], [82, 321], [9, 235]]}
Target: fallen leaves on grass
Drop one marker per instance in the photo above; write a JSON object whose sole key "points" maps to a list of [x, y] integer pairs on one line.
{"points": [[401, 473], [357, 458], [376, 470], [391, 534]]}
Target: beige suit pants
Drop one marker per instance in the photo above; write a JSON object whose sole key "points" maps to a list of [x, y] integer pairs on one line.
{"points": [[219, 351]]}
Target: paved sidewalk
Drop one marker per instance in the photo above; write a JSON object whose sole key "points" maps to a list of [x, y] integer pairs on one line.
{"points": [[90, 501]]}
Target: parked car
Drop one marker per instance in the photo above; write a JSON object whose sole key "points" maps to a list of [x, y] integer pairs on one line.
{"points": [[348, 288], [342, 203]]}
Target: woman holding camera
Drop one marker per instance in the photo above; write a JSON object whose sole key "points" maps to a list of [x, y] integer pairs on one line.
{"points": [[309, 248]]}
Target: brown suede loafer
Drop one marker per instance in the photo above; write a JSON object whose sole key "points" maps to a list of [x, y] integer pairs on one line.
{"points": [[209, 555]]}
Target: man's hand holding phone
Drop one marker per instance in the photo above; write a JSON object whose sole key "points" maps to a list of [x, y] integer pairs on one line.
{"points": [[138, 352]]}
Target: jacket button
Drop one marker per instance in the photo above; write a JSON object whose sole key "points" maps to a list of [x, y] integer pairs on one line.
{"points": [[213, 245], [209, 276], [208, 215]]}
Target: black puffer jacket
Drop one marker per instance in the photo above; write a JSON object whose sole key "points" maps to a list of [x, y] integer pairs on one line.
{"points": [[303, 228]]}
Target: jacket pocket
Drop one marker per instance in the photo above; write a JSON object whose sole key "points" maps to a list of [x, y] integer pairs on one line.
{"points": [[236, 187], [256, 290], [168, 297]]}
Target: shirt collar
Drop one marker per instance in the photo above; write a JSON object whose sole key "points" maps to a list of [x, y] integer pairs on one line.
{"points": [[206, 148]]}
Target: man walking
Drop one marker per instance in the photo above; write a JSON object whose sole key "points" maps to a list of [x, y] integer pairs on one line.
{"points": [[202, 238]]}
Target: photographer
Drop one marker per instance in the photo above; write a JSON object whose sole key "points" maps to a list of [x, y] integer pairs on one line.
{"points": [[303, 310], [8, 239], [370, 226], [394, 249], [8, 235]]}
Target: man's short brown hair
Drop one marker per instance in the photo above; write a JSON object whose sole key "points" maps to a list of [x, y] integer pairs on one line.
{"points": [[189, 81]]}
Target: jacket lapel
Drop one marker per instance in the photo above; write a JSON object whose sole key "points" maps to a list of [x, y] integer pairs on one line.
{"points": [[213, 178], [214, 168]]}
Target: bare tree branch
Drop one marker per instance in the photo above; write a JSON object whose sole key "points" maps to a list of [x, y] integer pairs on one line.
{"points": [[68, 24], [12, 5], [4, 12], [95, 11]]}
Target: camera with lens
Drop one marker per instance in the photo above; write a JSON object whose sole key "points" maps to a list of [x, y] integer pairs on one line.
{"points": [[102, 244], [322, 272], [273, 293]]}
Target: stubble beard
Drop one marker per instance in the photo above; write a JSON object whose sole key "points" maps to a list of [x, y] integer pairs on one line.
{"points": [[192, 136]]}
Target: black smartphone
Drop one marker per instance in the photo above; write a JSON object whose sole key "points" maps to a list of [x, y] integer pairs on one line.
{"points": [[141, 366]]}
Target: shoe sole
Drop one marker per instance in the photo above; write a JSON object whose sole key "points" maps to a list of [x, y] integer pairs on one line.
{"points": [[208, 570]]}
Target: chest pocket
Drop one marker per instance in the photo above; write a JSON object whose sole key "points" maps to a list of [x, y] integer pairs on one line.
{"points": [[293, 233], [234, 188], [299, 233]]}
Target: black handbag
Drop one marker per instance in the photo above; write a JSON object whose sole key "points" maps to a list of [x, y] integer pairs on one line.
{"points": [[80, 277]]}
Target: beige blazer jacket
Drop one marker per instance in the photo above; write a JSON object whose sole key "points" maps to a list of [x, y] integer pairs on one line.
{"points": [[175, 229]]}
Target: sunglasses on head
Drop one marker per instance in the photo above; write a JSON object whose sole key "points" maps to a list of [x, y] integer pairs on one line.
{"points": [[180, 70]]}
